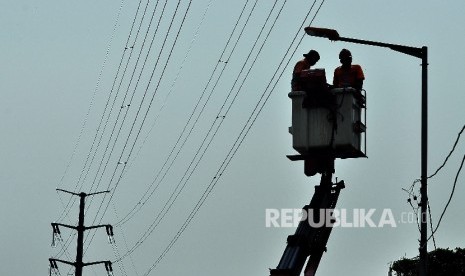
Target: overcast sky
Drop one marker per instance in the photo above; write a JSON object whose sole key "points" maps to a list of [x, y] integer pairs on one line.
{"points": [[86, 107]]}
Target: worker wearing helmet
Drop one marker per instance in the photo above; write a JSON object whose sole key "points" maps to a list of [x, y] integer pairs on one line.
{"points": [[310, 59], [348, 75]]}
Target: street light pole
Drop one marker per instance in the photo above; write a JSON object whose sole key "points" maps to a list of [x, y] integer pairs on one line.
{"points": [[424, 164], [421, 53]]}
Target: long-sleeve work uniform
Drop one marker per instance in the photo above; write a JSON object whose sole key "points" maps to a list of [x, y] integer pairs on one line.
{"points": [[352, 77]]}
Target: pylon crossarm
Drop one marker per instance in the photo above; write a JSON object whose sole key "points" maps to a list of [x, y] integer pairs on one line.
{"points": [[95, 226], [64, 225], [81, 194], [61, 261], [68, 192], [97, 193], [95, 263]]}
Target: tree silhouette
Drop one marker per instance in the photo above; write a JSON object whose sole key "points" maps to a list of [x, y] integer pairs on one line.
{"points": [[441, 262]]}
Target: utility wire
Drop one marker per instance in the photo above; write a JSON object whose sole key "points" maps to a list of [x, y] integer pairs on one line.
{"points": [[72, 199], [179, 188], [120, 158], [431, 225], [172, 87], [125, 95], [112, 89], [223, 118], [151, 101], [117, 252], [148, 109], [123, 103], [226, 161], [97, 86], [449, 200], [414, 196], [450, 153], [416, 181], [166, 208], [132, 212], [130, 101]]}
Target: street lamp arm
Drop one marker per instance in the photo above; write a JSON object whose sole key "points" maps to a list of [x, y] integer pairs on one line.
{"points": [[411, 51], [333, 35]]}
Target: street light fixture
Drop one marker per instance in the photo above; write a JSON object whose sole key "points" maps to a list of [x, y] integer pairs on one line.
{"points": [[421, 53]]}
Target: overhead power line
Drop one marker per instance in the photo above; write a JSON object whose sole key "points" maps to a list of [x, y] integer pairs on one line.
{"points": [[147, 110], [132, 138], [201, 150], [233, 149], [450, 153], [97, 86], [449, 200], [414, 197], [71, 201], [123, 103], [173, 84], [84, 124], [186, 137]]}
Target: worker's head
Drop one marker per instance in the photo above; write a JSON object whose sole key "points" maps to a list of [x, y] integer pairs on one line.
{"points": [[345, 57], [312, 57]]}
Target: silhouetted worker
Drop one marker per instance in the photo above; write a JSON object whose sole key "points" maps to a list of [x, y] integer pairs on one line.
{"points": [[308, 61], [313, 82], [348, 75]]}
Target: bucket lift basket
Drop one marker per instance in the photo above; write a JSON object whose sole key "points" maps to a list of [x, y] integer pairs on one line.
{"points": [[337, 129]]}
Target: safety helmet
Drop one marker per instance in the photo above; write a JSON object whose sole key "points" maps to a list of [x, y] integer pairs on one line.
{"points": [[345, 53], [312, 54]]}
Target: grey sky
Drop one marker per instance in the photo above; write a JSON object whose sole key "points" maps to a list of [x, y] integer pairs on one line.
{"points": [[55, 68]]}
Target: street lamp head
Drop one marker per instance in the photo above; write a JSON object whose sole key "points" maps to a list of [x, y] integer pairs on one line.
{"points": [[322, 32]]}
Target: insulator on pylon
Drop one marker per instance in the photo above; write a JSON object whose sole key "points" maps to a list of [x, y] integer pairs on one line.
{"points": [[108, 268], [56, 229], [110, 233], [56, 234], [53, 241], [109, 229], [53, 264]]}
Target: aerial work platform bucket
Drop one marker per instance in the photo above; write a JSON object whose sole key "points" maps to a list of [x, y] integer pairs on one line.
{"points": [[336, 128]]}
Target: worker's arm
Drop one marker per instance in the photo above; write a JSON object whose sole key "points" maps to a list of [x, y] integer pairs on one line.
{"points": [[358, 84], [336, 78], [359, 77], [295, 83]]}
